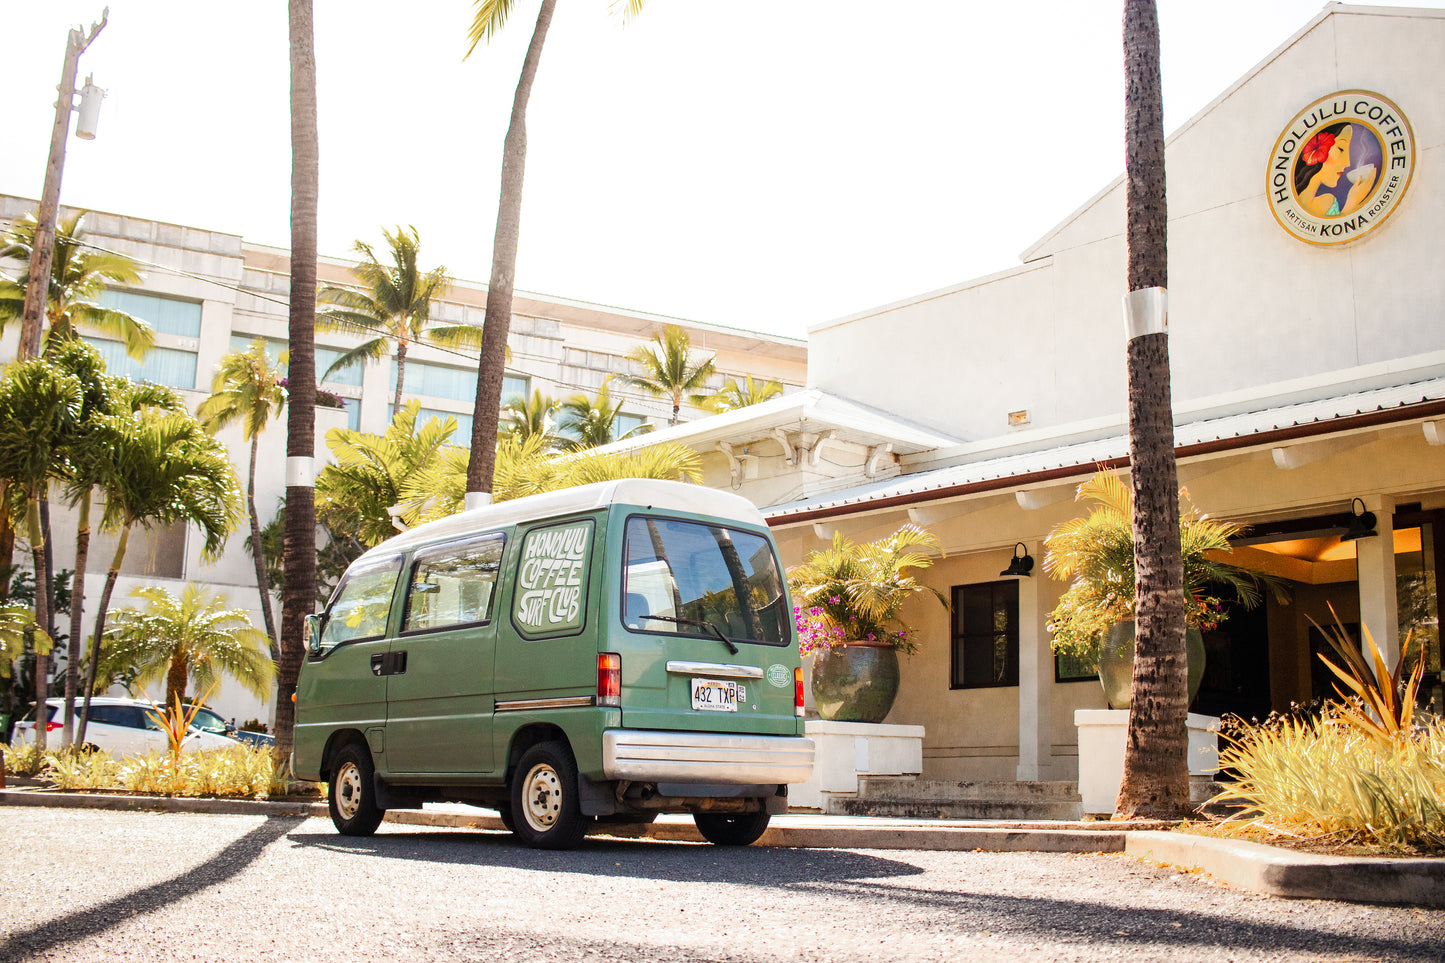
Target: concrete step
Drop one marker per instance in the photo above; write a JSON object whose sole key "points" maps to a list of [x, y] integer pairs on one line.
{"points": [[905, 797], [888, 788], [960, 809]]}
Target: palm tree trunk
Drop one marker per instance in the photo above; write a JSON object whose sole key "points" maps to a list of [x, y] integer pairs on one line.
{"points": [[1156, 771], [94, 664], [491, 366], [400, 375], [77, 615], [49, 583], [42, 614], [676, 407], [263, 584], [299, 556], [176, 676]]}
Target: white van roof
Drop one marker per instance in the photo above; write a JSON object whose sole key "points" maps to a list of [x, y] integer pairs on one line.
{"points": [[667, 495]]}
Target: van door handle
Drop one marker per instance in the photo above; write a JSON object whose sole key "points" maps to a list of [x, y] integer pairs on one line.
{"points": [[388, 663]]}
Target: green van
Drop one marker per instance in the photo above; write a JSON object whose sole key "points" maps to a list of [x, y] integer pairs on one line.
{"points": [[600, 654]]}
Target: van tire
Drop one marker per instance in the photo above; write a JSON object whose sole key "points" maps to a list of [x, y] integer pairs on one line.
{"points": [[546, 809], [351, 794], [504, 812], [729, 829]]}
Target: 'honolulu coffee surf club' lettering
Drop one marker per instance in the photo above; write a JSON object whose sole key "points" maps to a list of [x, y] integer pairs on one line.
{"points": [[553, 573], [1340, 167]]}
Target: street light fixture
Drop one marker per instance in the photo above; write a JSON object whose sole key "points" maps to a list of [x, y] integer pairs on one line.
{"points": [[43, 250]]}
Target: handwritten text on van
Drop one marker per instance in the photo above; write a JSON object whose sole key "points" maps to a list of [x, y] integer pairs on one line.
{"points": [[554, 570]]}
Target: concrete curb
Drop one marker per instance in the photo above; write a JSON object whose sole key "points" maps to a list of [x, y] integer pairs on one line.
{"points": [[1295, 875], [1263, 869]]}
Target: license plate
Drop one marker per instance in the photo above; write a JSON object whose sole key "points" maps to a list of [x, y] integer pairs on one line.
{"points": [[712, 695]]}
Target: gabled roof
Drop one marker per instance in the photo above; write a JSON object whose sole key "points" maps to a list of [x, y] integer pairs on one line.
{"points": [[809, 410], [1416, 400], [1043, 246]]}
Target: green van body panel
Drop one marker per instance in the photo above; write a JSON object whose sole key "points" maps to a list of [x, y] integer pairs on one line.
{"points": [[457, 704]]}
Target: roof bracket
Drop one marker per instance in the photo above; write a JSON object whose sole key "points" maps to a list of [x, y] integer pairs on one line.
{"points": [[789, 451], [876, 455], [1435, 432], [817, 453]]}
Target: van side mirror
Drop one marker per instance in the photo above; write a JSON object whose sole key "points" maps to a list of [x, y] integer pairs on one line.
{"points": [[314, 625]]}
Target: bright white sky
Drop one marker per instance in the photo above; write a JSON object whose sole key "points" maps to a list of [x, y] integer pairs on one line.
{"points": [[766, 166]]}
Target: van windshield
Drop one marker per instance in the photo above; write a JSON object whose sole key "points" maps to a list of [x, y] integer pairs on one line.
{"points": [[681, 571]]}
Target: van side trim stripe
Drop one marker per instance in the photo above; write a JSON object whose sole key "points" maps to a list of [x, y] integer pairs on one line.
{"points": [[725, 670], [568, 703]]}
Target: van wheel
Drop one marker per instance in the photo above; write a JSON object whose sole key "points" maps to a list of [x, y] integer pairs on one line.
{"points": [[730, 829], [545, 807], [352, 795]]}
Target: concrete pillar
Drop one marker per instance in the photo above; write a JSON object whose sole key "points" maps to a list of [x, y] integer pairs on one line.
{"points": [[1036, 680], [1375, 563]]}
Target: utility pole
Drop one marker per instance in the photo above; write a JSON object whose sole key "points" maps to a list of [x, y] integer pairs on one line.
{"points": [[44, 249]]}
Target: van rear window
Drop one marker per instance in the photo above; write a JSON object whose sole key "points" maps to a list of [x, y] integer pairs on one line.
{"points": [[681, 572]]}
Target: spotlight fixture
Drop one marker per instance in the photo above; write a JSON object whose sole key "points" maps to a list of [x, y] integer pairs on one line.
{"points": [[1023, 564], [1362, 523]]}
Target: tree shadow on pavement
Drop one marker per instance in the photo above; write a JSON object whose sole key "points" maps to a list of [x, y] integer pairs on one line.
{"points": [[660, 860], [221, 867], [1132, 928]]}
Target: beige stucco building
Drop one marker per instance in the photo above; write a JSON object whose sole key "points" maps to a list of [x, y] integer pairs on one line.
{"points": [[1308, 384]]}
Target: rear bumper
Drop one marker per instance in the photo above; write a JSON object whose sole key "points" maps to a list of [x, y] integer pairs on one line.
{"points": [[643, 755]]}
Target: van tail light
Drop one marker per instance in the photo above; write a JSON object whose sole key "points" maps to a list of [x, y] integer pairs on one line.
{"points": [[798, 692], [609, 679]]}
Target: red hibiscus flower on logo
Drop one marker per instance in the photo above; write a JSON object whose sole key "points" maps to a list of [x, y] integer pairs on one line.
{"points": [[1317, 151]]}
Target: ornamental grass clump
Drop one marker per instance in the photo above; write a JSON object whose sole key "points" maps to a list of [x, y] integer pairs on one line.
{"points": [[81, 769], [1362, 772], [852, 592], [1327, 780]]}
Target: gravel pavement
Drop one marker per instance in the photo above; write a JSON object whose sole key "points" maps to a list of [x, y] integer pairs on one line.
{"points": [[97, 885]]}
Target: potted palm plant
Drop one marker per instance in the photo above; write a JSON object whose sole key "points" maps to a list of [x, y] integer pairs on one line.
{"points": [[846, 601], [1094, 619]]}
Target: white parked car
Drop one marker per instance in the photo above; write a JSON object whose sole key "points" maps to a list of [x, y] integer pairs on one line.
{"points": [[121, 727]]}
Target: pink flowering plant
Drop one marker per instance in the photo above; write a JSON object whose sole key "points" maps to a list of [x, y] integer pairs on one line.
{"points": [[852, 592], [1095, 554]]}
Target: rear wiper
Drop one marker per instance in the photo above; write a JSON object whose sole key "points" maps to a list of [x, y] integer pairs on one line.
{"points": [[699, 623]]}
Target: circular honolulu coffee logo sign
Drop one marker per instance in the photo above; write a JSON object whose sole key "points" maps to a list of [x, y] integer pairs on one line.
{"points": [[1341, 167]]}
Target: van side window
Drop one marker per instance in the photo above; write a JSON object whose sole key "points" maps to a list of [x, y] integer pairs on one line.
{"points": [[362, 603], [453, 584], [551, 591], [680, 572]]}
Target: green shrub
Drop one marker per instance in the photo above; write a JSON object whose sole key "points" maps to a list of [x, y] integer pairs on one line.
{"points": [[25, 759], [81, 769], [1329, 778]]}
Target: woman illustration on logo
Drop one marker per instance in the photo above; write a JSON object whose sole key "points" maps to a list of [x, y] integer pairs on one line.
{"points": [[1319, 165]]}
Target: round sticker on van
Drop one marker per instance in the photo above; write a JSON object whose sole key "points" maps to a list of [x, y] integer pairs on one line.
{"points": [[778, 675]]}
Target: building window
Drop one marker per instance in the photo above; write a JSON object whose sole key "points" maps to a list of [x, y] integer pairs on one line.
{"points": [[162, 366], [165, 315], [463, 434], [623, 423], [986, 634]]}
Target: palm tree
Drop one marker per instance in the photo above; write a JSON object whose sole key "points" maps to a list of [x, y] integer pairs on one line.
{"points": [[669, 369], [491, 15], [191, 639], [87, 457], [395, 307], [355, 495], [166, 469], [299, 555], [40, 408], [247, 388], [530, 419], [78, 274], [591, 422], [1156, 771], [732, 396]]}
